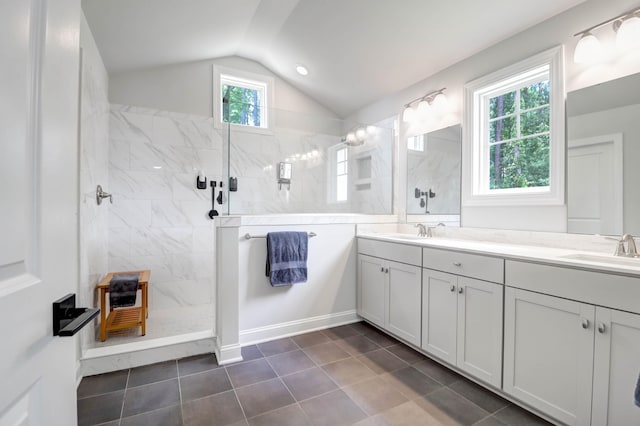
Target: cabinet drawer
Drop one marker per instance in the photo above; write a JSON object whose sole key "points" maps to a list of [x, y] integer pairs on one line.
{"points": [[612, 291], [485, 268], [402, 253]]}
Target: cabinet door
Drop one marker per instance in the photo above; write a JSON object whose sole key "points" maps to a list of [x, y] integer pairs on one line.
{"points": [[371, 289], [548, 354], [616, 368], [404, 302], [439, 314], [480, 329]]}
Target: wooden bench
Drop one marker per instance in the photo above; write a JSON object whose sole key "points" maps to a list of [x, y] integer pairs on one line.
{"points": [[121, 318]]}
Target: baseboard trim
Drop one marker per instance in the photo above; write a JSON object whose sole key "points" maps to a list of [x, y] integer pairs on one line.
{"points": [[291, 328], [228, 354]]}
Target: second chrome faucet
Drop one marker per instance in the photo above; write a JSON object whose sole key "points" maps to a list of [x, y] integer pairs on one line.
{"points": [[630, 250], [426, 231]]}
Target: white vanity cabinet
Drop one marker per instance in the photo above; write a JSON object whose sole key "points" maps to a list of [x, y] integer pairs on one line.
{"points": [[573, 360], [548, 354], [616, 367], [462, 316], [389, 287]]}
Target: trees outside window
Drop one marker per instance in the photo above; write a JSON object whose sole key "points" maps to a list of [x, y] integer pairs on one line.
{"points": [[242, 99]]}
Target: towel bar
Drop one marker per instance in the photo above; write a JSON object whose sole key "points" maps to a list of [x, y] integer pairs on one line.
{"points": [[249, 236]]}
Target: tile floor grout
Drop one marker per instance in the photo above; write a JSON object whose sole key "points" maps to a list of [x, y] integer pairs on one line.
{"points": [[357, 355]]}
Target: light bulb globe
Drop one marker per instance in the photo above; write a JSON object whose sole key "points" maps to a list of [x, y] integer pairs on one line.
{"points": [[588, 50], [628, 36], [408, 115]]}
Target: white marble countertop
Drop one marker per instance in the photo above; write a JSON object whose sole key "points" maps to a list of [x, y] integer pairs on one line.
{"points": [[592, 261]]}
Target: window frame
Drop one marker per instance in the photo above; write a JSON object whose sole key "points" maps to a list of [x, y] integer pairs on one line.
{"points": [[252, 81], [332, 156], [475, 148]]}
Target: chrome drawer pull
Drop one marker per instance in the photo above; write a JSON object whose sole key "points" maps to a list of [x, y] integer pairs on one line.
{"points": [[452, 288], [601, 328], [457, 263], [585, 323]]}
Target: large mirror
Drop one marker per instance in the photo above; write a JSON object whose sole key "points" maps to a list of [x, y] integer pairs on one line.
{"points": [[603, 158], [433, 172]]}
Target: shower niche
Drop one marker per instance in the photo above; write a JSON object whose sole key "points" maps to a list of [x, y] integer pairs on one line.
{"points": [[362, 172]]}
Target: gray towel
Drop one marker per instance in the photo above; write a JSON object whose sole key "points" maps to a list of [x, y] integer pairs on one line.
{"points": [[123, 289], [287, 257]]}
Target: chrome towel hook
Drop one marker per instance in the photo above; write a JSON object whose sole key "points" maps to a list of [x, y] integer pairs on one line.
{"points": [[100, 195]]}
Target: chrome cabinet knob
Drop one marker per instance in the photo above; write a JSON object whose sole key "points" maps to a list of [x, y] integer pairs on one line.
{"points": [[457, 263], [452, 288], [386, 271], [460, 290], [382, 269], [602, 328], [585, 323]]}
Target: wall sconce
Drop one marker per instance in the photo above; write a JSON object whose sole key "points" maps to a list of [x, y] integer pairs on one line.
{"points": [[357, 136], [589, 50], [435, 100]]}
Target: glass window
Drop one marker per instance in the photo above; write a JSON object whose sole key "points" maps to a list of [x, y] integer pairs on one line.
{"points": [[342, 173], [518, 137], [514, 134], [416, 143], [243, 101]]}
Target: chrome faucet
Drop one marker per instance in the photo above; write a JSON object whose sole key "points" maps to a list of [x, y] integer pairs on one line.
{"points": [[630, 251], [422, 230]]}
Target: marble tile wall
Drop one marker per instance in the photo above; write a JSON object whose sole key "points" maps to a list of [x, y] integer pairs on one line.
{"points": [[94, 170], [371, 189], [438, 168], [159, 220], [254, 160]]}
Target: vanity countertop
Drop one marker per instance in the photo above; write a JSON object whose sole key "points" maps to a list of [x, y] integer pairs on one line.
{"points": [[599, 262]]}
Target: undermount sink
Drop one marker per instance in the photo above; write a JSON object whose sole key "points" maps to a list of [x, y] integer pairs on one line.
{"points": [[405, 237], [613, 260]]}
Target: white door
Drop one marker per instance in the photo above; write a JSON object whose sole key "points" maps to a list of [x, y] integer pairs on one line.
{"points": [[480, 329], [38, 207], [594, 185], [439, 314], [548, 354], [404, 302], [371, 294], [616, 368]]}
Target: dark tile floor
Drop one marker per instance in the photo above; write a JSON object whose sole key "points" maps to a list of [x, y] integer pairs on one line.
{"points": [[346, 375]]}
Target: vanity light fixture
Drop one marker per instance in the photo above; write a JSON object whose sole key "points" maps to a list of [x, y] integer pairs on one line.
{"points": [[358, 136], [302, 70], [627, 27], [433, 100]]}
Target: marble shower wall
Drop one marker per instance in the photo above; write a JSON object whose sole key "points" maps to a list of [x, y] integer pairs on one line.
{"points": [[306, 143], [438, 168], [158, 219], [254, 160], [94, 170], [371, 186]]}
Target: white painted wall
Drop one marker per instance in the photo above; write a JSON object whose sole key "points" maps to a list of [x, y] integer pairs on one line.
{"points": [[618, 120], [188, 88], [94, 170], [329, 292], [558, 30]]}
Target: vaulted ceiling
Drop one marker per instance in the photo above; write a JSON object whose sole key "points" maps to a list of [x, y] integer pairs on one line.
{"points": [[357, 51]]}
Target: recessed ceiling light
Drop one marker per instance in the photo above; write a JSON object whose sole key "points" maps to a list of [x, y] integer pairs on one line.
{"points": [[302, 70]]}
